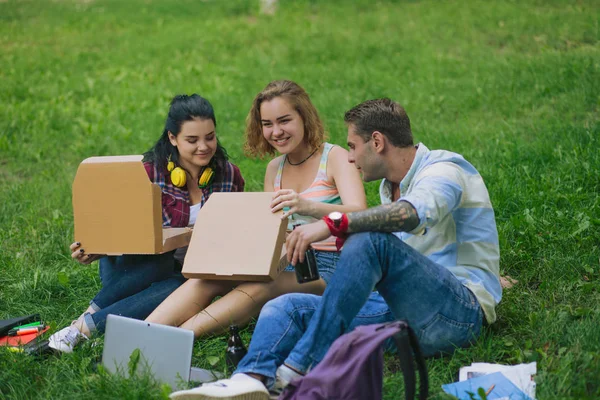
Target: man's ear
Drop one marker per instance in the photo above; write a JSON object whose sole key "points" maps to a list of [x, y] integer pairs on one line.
{"points": [[172, 139], [379, 141]]}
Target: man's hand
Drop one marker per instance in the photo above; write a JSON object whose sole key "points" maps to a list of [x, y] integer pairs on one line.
{"points": [[298, 241], [79, 254]]}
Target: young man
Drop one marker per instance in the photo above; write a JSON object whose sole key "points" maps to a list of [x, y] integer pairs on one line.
{"points": [[430, 250]]}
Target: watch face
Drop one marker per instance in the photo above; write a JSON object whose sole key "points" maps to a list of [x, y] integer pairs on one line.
{"points": [[335, 216]]}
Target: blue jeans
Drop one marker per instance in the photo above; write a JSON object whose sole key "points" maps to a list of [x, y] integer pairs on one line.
{"points": [[298, 329], [133, 286], [283, 321]]}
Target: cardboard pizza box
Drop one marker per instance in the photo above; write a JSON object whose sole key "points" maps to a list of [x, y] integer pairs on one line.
{"points": [[117, 210], [236, 237]]}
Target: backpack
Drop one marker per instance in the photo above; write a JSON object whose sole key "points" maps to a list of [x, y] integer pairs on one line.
{"points": [[353, 367]]}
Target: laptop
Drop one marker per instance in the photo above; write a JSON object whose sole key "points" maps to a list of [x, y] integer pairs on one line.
{"points": [[164, 351]]}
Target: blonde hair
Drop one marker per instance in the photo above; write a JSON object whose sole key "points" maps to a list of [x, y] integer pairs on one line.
{"points": [[314, 132]]}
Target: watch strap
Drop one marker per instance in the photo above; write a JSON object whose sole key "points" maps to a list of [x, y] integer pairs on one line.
{"points": [[339, 230]]}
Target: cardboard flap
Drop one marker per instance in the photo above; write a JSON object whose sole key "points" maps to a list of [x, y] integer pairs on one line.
{"points": [[174, 238], [236, 236], [116, 209]]}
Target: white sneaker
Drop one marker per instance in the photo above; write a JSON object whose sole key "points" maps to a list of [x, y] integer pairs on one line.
{"points": [[239, 387], [283, 377], [65, 339]]}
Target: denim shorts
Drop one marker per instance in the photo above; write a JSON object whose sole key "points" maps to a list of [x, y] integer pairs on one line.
{"points": [[326, 262]]}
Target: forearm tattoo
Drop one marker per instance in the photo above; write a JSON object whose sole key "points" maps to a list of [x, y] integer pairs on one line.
{"points": [[394, 217]]}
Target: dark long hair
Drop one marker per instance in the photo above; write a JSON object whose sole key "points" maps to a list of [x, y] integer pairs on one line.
{"points": [[185, 108]]}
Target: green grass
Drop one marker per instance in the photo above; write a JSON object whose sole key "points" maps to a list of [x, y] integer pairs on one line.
{"points": [[513, 86]]}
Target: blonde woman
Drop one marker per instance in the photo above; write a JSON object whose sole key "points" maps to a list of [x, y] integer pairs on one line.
{"points": [[310, 179]]}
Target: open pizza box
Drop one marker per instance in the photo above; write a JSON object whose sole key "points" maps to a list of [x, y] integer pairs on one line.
{"points": [[117, 210], [236, 237]]}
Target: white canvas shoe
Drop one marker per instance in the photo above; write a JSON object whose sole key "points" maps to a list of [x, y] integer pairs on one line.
{"points": [[283, 378], [239, 387], [65, 339]]}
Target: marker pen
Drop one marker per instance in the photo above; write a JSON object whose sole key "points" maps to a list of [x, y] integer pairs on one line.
{"points": [[30, 325], [25, 331]]}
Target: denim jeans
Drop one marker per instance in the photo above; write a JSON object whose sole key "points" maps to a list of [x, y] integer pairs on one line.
{"points": [[133, 286], [298, 329], [283, 321]]}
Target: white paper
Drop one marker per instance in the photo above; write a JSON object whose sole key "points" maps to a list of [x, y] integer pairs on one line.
{"points": [[521, 375]]}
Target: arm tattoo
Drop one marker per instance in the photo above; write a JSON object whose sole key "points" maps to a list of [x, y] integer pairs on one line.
{"points": [[394, 217]]}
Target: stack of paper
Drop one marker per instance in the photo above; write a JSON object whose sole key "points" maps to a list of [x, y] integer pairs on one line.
{"points": [[497, 381]]}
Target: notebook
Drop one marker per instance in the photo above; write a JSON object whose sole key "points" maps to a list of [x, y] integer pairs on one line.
{"points": [[164, 351]]}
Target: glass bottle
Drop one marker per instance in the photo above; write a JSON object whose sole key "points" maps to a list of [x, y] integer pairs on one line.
{"points": [[236, 350]]}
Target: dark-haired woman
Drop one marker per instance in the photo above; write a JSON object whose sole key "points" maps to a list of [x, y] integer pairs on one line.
{"points": [[189, 164]]}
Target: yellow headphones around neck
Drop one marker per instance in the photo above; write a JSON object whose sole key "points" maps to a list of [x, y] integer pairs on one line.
{"points": [[179, 177]]}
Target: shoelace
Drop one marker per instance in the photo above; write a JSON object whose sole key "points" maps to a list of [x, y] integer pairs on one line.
{"points": [[217, 383], [70, 336]]}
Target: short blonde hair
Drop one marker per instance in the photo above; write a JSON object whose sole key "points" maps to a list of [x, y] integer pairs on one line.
{"points": [[314, 132]]}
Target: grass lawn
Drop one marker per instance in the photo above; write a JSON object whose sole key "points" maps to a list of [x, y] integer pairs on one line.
{"points": [[513, 86]]}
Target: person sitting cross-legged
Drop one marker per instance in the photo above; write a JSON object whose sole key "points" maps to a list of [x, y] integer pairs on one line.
{"points": [[430, 250]]}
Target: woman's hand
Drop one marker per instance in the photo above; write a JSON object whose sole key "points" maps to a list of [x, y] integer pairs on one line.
{"points": [[82, 258], [289, 198]]}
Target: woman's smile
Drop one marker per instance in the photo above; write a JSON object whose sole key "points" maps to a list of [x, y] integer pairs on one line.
{"points": [[281, 142]]}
